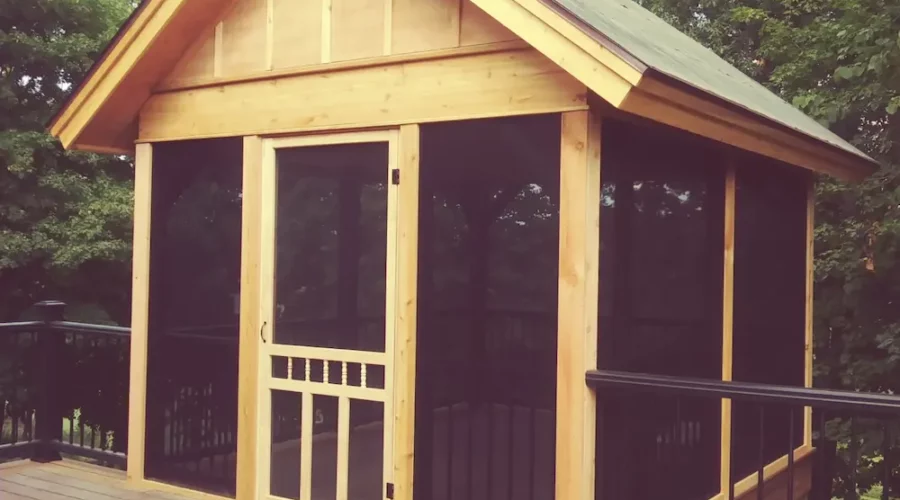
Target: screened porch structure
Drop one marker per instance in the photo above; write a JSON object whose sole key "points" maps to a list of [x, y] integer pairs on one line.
{"points": [[379, 246]]}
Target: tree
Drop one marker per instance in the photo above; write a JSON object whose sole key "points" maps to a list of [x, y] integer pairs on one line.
{"points": [[65, 217]]}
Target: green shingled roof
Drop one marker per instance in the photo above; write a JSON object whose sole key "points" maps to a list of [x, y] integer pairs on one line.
{"points": [[653, 42]]}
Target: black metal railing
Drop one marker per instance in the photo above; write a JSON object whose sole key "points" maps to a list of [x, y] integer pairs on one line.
{"points": [[849, 452], [63, 388], [192, 408]]}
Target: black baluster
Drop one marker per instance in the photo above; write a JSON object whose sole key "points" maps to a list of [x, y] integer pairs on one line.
{"points": [[15, 427], [675, 461], [450, 449], [489, 453], [72, 428], [854, 458], [29, 435], [886, 462], [761, 455], [509, 466], [822, 484], [731, 467], [531, 448], [790, 469], [80, 429]]}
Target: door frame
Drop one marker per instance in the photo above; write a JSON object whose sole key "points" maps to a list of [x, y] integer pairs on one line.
{"points": [[260, 205]]}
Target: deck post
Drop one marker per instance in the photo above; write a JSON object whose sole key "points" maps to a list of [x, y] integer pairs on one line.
{"points": [[579, 254], [48, 414]]}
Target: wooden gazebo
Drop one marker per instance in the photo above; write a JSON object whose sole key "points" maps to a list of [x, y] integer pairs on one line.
{"points": [[430, 219]]}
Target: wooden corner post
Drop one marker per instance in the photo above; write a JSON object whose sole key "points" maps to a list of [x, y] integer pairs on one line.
{"points": [[248, 344], [407, 276], [810, 285], [579, 244], [140, 303], [725, 480]]}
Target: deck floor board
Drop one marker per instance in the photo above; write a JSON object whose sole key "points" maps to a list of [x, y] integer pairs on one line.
{"points": [[68, 480]]}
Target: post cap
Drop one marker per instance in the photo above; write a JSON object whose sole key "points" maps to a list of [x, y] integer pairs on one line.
{"points": [[51, 310]]}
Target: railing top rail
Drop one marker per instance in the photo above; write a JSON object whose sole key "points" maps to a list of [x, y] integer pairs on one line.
{"points": [[18, 326], [72, 326], [67, 326], [828, 399]]}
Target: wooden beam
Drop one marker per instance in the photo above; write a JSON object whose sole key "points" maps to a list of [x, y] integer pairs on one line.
{"points": [[810, 286], [727, 323], [407, 310], [581, 64], [579, 239], [140, 311], [248, 350], [477, 86], [714, 119]]}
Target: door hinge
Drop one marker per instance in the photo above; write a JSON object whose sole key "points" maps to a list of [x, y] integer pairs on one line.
{"points": [[389, 487], [395, 176]]}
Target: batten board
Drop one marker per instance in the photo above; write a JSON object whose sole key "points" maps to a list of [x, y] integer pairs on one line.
{"points": [[419, 26], [474, 86], [477, 27], [244, 38], [357, 29], [199, 61], [296, 33]]}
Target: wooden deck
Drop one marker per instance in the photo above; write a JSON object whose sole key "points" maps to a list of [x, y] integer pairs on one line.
{"points": [[69, 480]]}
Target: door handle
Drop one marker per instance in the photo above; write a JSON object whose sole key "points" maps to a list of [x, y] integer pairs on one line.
{"points": [[261, 336]]}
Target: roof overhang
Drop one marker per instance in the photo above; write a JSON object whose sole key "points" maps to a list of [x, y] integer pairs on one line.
{"points": [[629, 85], [102, 113]]}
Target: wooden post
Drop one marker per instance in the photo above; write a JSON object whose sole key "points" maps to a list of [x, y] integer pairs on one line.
{"points": [[140, 303], [810, 284], [579, 240], [725, 478], [407, 309], [49, 414], [248, 351]]}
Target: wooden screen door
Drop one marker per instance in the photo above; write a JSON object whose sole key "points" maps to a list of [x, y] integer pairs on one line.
{"points": [[328, 298]]}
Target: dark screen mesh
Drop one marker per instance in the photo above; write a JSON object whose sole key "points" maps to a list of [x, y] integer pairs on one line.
{"points": [[193, 339], [486, 359], [660, 306]]}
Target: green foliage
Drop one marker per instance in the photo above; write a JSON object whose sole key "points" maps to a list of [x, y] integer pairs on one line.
{"points": [[839, 61], [64, 216]]}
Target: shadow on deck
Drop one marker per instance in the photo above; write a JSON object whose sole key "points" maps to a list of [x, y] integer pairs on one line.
{"points": [[70, 480]]}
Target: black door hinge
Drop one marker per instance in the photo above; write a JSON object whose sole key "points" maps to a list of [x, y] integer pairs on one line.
{"points": [[389, 487], [395, 180]]}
